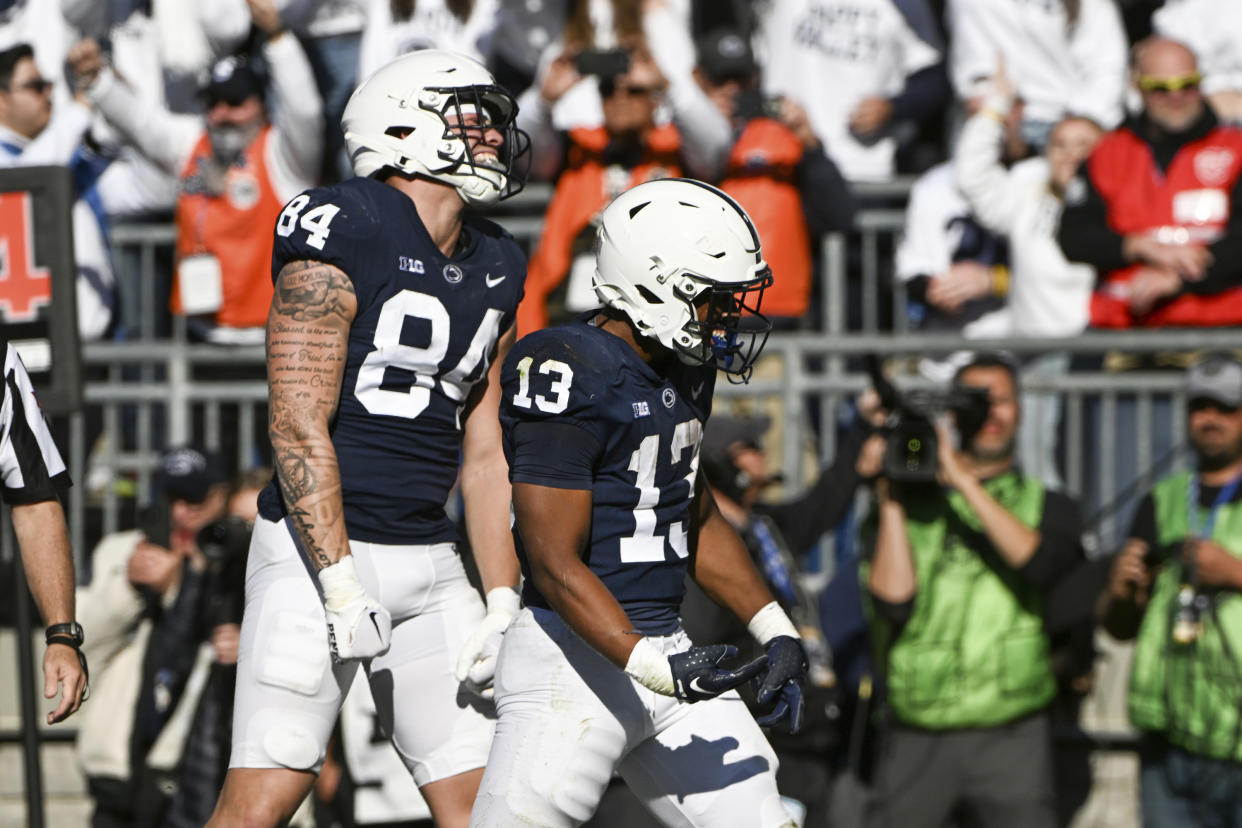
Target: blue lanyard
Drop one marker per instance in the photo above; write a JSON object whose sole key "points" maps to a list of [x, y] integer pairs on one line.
{"points": [[1192, 505]]}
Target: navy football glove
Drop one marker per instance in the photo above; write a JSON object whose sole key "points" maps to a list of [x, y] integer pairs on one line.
{"points": [[782, 683], [697, 674]]}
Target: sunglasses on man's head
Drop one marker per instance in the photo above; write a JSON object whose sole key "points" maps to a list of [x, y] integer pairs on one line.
{"points": [[1173, 84]]}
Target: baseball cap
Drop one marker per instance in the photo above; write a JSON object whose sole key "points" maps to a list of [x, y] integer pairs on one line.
{"points": [[724, 430], [232, 79], [724, 54], [1217, 378], [188, 473]]}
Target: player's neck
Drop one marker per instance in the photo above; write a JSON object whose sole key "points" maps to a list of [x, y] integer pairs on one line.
{"points": [[621, 327], [439, 208]]}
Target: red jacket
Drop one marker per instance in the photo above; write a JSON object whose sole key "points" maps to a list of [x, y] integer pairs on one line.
{"points": [[1190, 201]]}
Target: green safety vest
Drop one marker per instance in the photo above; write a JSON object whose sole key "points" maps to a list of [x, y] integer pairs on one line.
{"points": [[974, 652], [1192, 693]]}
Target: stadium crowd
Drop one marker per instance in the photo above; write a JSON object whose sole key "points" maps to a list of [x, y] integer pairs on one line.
{"points": [[1076, 164]]}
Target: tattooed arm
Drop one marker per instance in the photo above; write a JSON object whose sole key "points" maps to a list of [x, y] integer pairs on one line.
{"points": [[307, 340]]}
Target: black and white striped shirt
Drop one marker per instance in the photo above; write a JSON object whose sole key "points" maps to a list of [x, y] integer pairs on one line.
{"points": [[31, 469]]}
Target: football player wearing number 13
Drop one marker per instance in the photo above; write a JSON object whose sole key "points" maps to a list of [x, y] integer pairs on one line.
{"points": [[392, 311], [602, 421]]}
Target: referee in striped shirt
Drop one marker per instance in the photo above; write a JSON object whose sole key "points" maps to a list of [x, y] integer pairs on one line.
{"points": [[32, 479]]}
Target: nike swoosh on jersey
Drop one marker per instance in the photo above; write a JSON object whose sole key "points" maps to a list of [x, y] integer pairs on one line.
{"points": [[493, 282], [696, 390], [376, 624]]}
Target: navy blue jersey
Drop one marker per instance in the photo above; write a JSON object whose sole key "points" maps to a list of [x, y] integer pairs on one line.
{"points": [[643, 430], [424, 334]]}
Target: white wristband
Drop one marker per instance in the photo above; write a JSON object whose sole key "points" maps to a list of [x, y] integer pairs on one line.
{"points": [[340, 583], [503, 600], [770, 622], [649, 667]]}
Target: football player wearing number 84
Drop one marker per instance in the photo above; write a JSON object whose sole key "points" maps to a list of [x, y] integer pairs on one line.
{"points": [[393, 308], [602, 420]]}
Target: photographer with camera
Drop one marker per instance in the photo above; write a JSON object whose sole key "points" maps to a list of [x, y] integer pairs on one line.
{"points": [[959, 581], [146, 601], [1175, 585]]}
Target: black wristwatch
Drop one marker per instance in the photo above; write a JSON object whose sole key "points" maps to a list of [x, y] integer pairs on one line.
{"points": [[70, 634]]}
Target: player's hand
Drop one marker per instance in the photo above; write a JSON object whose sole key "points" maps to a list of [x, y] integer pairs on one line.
{"points": [[476, 666], [64, 666], [358, 627], [781, 684], [697, 674]]}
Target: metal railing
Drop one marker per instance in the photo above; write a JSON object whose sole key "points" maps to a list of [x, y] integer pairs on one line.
{"points": [[146, 398]]}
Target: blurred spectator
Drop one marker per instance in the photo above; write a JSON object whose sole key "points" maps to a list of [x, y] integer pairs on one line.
{"points": [[236, 170], [776, 170], [956, 271], [145, 603], [651, 30], [244, 499], [879, 64], [1156, 208], [39, 24], [331, 33], [31, 133], [778, 536], [1212, 29], [1065, 57], [191, 757], [395, 27], [161, 50], [1175, 585], [523, 31], [958, 585], [1048, 296], [597, 164]]}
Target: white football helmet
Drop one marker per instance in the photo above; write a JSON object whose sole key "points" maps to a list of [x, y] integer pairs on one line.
{"points": [[408, 116], [681, 259]]}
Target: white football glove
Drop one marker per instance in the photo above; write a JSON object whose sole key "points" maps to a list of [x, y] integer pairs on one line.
{"points": [[358, 627], [476, 667]]}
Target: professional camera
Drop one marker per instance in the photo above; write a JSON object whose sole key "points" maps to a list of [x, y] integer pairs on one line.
{"points": [[911, 446], [224, 543]]}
